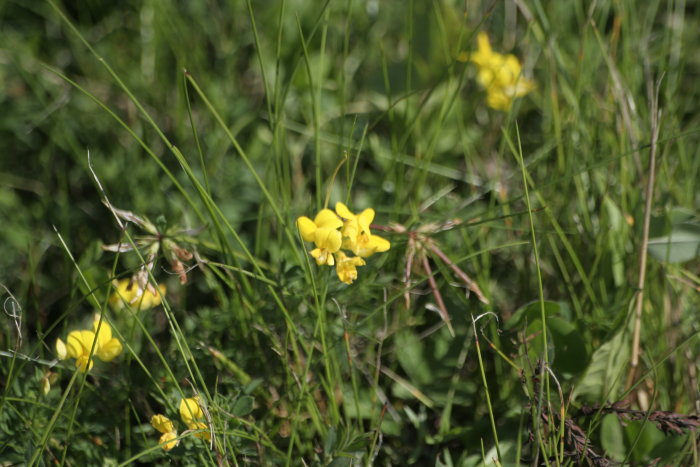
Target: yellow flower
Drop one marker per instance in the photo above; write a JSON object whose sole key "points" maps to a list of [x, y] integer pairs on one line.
{"points": [[197, 425], [346, 267], [500, 75], [323, 231], [162, 423], [190, 410], [79, 344], [107, 347], [192, 414], [168, 440], [356, 235], [128, 292]]}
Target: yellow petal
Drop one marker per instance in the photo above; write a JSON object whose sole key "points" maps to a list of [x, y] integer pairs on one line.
{"points": [[156, 295], [482, 39], [343, 211], [79, 343], [346, 267], [374, 245], [45, 385], [483, 55], [83, 363], [327, 219], [109, 350], [322, 256], [105, 331], [125, 292], [162, 423], [61, 350], [307, 228], [497, 99], [379, 244], [328, 239], [200, 426], [365, 219], [168, 441], [190, 410], [150, 297]]}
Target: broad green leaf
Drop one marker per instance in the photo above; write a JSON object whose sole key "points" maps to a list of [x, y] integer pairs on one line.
{"points": [[606, 370], [243, 406], [612, 438], [341, 462], [649, 437], [570, 354], [409, 350], [682, 244], [531, 312]]}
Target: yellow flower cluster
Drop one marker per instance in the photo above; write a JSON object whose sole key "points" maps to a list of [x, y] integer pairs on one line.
{"points": [[191, 414], [332, 231], [79, 344], [128, 292], [163, 424], [500, 75]]}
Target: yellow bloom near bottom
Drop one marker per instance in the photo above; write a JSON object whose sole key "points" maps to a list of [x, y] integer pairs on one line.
{"points": [[200, 426], [192, 414], [169, 438]]}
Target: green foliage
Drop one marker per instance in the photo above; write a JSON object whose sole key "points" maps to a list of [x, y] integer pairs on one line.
{"points": [[223, 122]]}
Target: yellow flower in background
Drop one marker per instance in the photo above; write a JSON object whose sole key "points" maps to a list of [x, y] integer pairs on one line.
{"points": [[323, 231], [192, 415], [128, 292], [163, 424], [79, 344], [168, 440], [197, 425], [356, 235], [190, 410], [500, 75], [108, 347], [346, 267]]}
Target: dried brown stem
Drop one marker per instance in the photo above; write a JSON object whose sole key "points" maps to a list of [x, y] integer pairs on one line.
{"points": [[471, 285], [436, 292], [649, 195]]}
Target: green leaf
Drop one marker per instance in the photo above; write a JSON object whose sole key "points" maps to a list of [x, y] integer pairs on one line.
{"points": [[531, 312], [570, 353], [341, 462], [409, 350], [606, 370], [682, 244], [646, 436], [243, 406], [612, 438]]}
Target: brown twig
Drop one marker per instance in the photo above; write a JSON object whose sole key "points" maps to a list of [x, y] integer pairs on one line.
{"points": [[436, 293], [668, 422], [471, 285]]}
